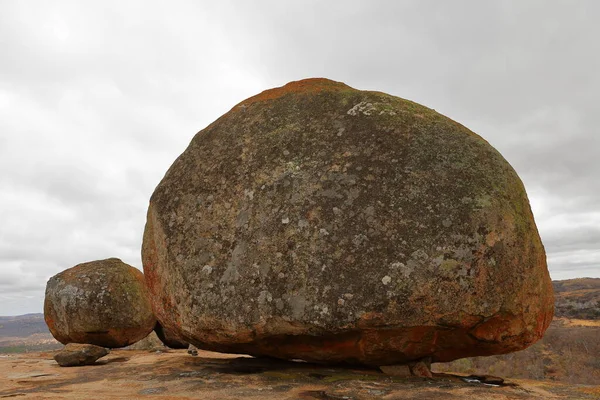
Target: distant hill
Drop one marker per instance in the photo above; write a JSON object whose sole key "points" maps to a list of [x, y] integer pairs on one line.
{"points": [[570, 285], [22, 325], [577, 298], [25, 333]]}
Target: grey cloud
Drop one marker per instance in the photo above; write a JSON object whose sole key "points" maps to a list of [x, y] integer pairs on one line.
{"points": [[98, 99], [573, 239], [68, 184], [467, 54]]}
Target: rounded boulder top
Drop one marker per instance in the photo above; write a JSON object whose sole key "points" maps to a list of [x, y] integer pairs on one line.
{"points": [[105, 303], [315, 221]]}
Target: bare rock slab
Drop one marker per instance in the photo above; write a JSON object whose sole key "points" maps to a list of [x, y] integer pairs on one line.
{"points": [[319, 222], [76, 354]]}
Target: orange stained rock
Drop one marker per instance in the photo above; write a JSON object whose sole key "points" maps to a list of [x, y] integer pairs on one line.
{"points": [[302, 86]]}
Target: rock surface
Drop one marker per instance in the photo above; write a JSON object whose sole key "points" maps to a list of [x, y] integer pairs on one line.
{"points": [[75, 354], [421, 369], [319, 222], [489, 379], [102, 302], [168, 338], [129, 374]]}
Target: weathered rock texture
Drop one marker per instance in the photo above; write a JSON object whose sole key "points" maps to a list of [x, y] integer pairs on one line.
{"points": [[75, 354], [319, 222], [103, 302], [168, 338]]}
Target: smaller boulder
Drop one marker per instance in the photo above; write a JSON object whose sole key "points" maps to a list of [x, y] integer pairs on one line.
{"points": [[421, 369], [168, 338], [75, 354], [103, 302], [149, 343]]}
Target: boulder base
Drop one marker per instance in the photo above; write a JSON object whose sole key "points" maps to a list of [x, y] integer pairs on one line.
{"points": [[315, 221], [168, 338], [103, 302]]}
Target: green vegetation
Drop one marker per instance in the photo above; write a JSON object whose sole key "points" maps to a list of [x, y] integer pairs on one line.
{"points": [[578, 298], [29, 348]]}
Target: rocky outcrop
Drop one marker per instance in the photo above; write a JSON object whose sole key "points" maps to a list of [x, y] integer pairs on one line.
{"points": [[577, 298], [105, 303], [149, 343], [168, 338], [319, 222], [75, 354]]}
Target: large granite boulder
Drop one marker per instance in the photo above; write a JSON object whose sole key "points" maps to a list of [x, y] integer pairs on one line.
{"points": [[168, 338], [105, 303], [319, 222]]}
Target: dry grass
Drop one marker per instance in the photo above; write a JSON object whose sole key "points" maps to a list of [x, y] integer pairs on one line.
{"points": [[577, 322], [569, 352]]}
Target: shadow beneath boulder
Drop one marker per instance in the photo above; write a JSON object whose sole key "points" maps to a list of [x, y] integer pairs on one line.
{"points": [[251, 365], [112, 360], [257, 365]]}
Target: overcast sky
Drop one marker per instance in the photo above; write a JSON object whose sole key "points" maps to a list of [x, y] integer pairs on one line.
{"points": [[97, 99]]}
